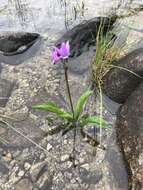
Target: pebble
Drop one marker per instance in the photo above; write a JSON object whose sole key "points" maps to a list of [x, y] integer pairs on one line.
{"points": [[49, 147], [64, 157], [8, 157], [37, 169], [86, 166], [21, 173], [27, 166]]}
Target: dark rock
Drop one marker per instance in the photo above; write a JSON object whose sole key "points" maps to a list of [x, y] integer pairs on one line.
{"points": [[14, 45], [6, 88], [129, 129], [118, 83], [81, 65], [82, 36]]}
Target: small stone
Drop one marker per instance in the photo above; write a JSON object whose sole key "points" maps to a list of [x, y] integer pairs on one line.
{"points": [[81, 160], [37, 170], [64, 157], [86, 166], [13, 162], [69, 164], [45, 181], [42, 156], [27, 166], [21, 173], [49, 147], [7, 157]]}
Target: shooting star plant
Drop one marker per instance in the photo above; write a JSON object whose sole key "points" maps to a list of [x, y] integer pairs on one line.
{"points": [[75, 117]]}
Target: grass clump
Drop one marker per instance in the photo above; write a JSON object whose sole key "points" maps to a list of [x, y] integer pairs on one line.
{"points": [[106, 54]]}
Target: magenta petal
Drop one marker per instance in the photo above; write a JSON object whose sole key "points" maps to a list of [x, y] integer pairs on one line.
{"points": [[65, 50], [68, 47], [55, 55], [62, 53]]}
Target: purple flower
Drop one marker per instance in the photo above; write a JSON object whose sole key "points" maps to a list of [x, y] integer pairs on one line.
{"points": [[65, 50], [62, 52], [55, 55]]}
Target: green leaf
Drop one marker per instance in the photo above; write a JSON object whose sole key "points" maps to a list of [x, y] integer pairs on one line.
{"points": [[53, 108], [81, 103], [95, 120], [52, 104]]}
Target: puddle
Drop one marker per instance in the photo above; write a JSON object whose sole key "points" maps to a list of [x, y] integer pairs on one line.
{"points": [[96, 168]]}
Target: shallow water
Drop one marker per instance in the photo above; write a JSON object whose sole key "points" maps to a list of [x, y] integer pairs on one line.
{"points": [[51, 18]]}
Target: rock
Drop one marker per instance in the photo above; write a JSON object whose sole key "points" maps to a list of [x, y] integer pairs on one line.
{"points": [[129, 129], [118, 83], [116, 167], [45, 181], [81, 65], [90, 177], [14, 45], [41, 176], [82, 36], [21, 173], [49, 147], [3, 169], [27, 166], [6, 88], [25, 130], [8, 157], [24, 184], [37, 170], [64, 158]]}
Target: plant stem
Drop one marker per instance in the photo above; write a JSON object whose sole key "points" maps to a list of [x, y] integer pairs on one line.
{"points": [[72, 108], [68, 87], [101, 109]]}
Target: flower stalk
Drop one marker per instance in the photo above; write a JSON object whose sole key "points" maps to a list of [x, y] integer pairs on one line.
{"points": [[67, 86], [72, 108]]}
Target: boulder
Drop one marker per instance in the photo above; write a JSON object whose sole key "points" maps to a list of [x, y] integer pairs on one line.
{"points": [[119, 83], [15, 47], [129, 130], [82, 36], [16, 43]]}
